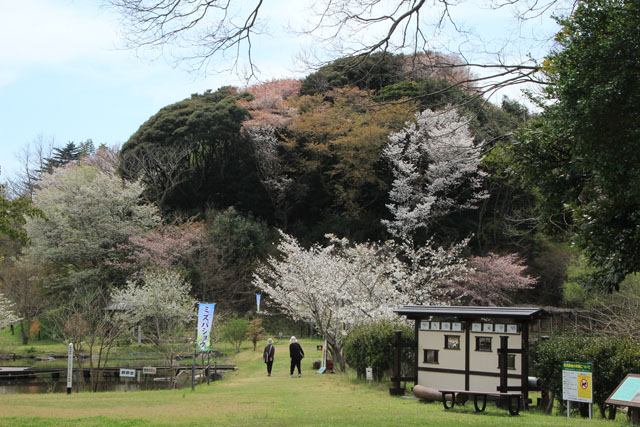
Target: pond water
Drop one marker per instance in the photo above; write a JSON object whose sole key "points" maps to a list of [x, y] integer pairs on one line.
{"points": [[57, 383], [52, 378]]}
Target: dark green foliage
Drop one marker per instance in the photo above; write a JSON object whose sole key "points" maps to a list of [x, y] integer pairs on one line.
{"points": [[434, 94], [369, 72], [233, 247], [64, 155], [549, 263], [275, 323], [87, 148], [12, 216], [192, 154], [612, 359], [583, 152], [371, 346]]}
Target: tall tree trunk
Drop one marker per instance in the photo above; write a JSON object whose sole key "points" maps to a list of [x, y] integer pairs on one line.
{"points": [[24, 331]]}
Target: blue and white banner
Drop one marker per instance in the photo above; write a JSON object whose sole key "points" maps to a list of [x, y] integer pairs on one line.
{"points": [[205, 320], [258, 301]]}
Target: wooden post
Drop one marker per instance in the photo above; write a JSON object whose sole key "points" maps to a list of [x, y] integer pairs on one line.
{"points": [[396, 390], [193, 368], [467, 354], [208, 365], [416, 337], [503, 355], [524, 358]]}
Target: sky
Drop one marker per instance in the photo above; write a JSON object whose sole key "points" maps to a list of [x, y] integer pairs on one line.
{"points": [[65, 75]]}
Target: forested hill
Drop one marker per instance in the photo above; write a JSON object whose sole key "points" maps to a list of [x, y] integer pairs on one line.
{"points": [[307, 156], [371, 150]]}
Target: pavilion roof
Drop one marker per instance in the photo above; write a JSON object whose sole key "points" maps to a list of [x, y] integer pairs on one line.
{"points": [[469, 312]]}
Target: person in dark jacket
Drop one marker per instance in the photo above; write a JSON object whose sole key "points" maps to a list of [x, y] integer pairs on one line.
{"points": [[296, 353], [269, 352]]}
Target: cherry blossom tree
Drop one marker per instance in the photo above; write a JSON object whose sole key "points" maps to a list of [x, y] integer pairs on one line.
{"points": [[7, 315], [163, 307], [105, 158], [165, 246], [339, 286], [435, 168], [435, 164], [269, 104], [431, 271], [88, 214], [492, 280]]}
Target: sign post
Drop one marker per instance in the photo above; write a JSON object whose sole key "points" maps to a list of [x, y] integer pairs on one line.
{"points": [[149, 370], [126, 374], [70, 368], [577, 384]]}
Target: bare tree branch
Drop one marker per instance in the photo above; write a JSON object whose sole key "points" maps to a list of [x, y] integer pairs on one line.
{"points": [[201, 31]]}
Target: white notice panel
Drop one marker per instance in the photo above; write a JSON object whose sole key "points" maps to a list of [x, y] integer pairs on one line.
{"points": [[127, 373]]}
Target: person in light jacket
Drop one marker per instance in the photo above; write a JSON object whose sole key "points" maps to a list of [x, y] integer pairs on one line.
{"points": [[269, 352], [296, 353]]}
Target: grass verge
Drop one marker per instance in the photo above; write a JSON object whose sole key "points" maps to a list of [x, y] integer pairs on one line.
{"points": [[249, 397]]}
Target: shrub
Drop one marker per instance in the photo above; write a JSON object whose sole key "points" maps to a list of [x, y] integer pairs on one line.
{"points": [[612, 358], [371, 345], [255, 332], [235, 332]]}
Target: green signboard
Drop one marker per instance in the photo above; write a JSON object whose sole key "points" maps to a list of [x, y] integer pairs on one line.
{"points": [[577, 366]]}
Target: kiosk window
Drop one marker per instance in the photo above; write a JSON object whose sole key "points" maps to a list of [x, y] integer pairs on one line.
{"points": [[452, 342], [430, 356], [483, 343]]}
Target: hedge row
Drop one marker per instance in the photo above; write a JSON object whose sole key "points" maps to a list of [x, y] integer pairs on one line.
{"points": [[612, 358], [371, 346]]}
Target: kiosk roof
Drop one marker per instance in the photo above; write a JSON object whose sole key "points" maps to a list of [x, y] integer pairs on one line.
{"points": [[418, 311]]}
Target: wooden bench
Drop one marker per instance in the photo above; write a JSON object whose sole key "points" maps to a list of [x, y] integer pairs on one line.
{"points": [[513, 399]]}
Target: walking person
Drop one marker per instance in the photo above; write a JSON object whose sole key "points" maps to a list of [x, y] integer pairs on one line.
{"points": [[269, 352], [296, 353]]}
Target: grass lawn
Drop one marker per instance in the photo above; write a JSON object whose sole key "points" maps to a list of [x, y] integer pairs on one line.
{"points": [[13, 344], [249, 397]]}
